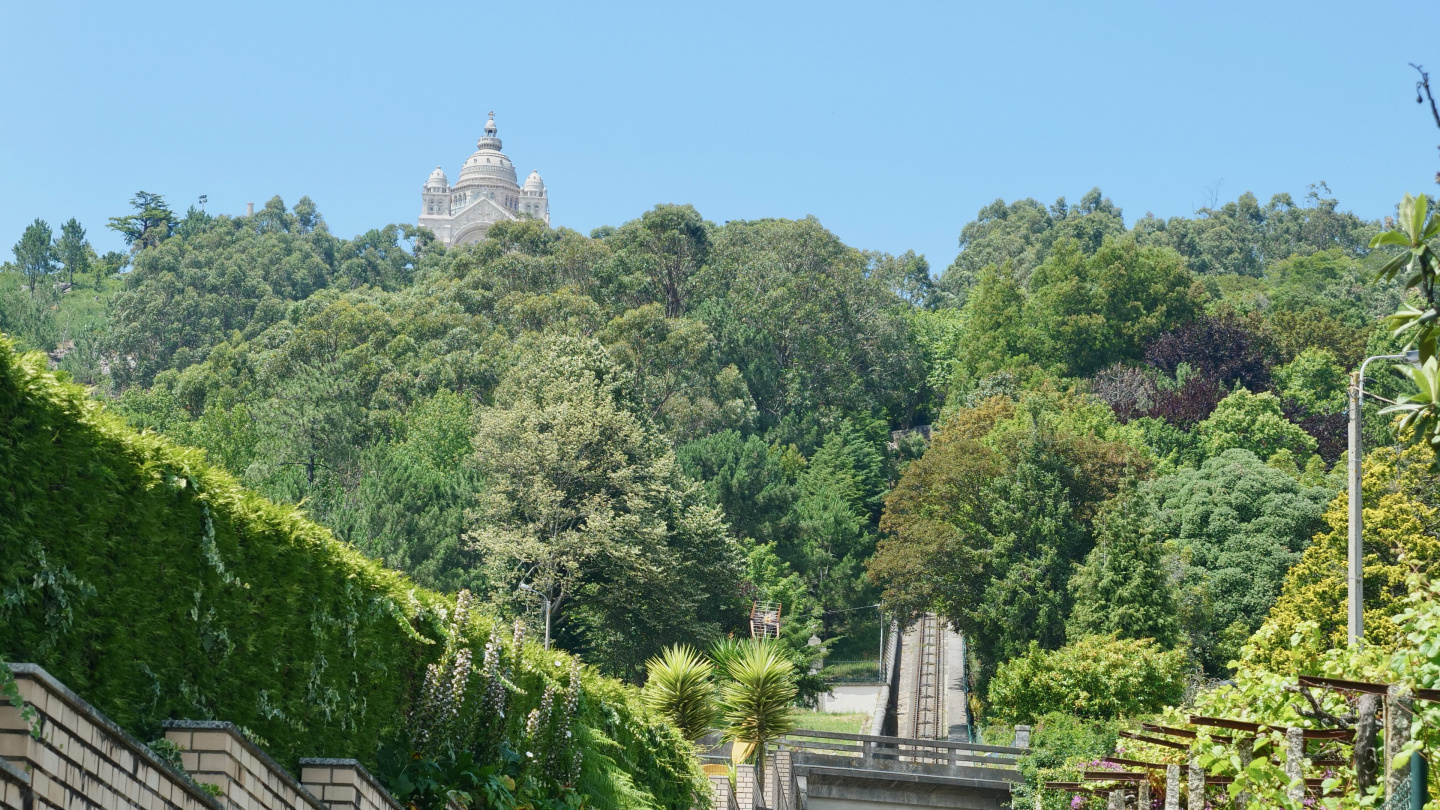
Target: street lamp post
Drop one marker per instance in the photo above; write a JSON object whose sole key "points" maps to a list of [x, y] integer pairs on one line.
{"points": [[1356, 571], [525, 586]]}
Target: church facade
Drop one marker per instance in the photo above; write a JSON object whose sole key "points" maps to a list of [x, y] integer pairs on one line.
{"points": [[486, 193]]}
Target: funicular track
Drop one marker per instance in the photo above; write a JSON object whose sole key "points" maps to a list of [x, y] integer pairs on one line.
{"points": [[920, 705], [927, 718]]}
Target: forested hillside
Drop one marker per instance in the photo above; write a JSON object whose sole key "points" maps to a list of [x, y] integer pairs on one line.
{"points": [[1136, 427]]}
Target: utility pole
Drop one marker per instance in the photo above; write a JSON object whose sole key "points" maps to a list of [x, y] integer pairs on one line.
{"points": [[1356, 573]]}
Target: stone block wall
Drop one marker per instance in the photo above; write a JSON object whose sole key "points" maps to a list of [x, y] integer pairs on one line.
{"points": [[747, 796], [81, 760], [344, 784], [216, 752], [14, 788]]}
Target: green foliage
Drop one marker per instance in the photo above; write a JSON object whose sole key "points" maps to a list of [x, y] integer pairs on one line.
{"points": [[1123, 588], [1235, 527], [757, 696], [1401, 519], [809, 328], [1021, 235], [987, 526], [72, 250], [1097, 677], [1264, 694], [1252, 422], [1415, 254], [226, 276], [155, 586], [151, 224], [1062, 746], [1093, 309], [34, 254], [584, 501], [1314, 380], [678, 686], [1243, 237]]}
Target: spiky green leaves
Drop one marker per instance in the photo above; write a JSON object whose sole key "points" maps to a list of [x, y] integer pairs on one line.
{"points": [[1416, 230], [680, 688], [756, 702]]}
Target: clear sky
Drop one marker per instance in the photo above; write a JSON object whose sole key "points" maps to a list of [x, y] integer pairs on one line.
{"points": [[891, 122]]}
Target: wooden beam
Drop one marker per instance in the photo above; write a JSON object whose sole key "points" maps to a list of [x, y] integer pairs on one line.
{"points": [[1173, 732], [1342, 734], [1180, 732], [1115, 776], [1135, 763], [1155, 741], [1347, 686]]}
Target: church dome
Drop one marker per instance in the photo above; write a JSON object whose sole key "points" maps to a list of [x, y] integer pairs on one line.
{"points": [[488, 166], [533, 184], [437, 180]]}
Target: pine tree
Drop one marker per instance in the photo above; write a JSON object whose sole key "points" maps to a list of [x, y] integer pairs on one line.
{"points": [[72, 250]]}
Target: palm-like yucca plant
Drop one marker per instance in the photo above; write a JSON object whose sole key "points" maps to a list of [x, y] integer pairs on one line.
{"points": [[680, 688], [756, 702]]}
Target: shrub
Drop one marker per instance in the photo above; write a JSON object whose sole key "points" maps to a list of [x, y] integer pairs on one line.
{"points": [[1098, 677]]}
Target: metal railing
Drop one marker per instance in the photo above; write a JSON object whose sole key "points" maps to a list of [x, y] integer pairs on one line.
{"points": [[898, 754]]}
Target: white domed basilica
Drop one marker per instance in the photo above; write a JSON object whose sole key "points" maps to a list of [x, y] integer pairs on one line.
{"points": [[486, 193]]}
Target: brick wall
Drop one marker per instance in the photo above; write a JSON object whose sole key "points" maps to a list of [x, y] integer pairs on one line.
{"points": [[82, 761], [344, 784], [746, 795], [216, 752], [14, 788]]}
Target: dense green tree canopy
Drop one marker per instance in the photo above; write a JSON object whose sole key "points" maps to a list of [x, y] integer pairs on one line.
{"points": [[1236, 526], [987, 526]]}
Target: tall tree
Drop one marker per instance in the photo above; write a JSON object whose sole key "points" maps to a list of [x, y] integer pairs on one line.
{"points": [[987, 526], [668, 245], [34, 252], [1123, 588], [1236, 526], [150, 225], [72, 249], [585, 503]]}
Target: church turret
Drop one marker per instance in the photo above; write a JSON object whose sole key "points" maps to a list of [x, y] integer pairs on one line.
{"points": [[533, 200], [435, 199]]}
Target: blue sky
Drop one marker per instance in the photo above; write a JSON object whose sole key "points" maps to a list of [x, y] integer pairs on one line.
{"points": [[892, 123]]}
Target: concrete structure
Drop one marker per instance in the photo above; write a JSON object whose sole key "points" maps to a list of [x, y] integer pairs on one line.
{"points": [[62, 753], [344, 784], [851, 698], [487, 192], [835, 771]]}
